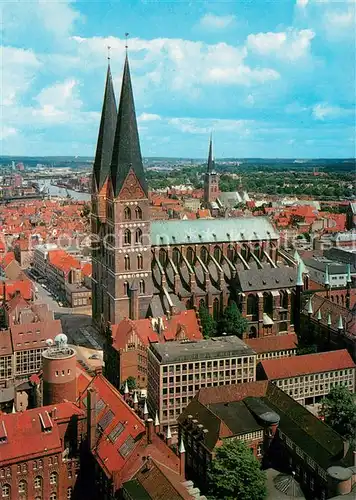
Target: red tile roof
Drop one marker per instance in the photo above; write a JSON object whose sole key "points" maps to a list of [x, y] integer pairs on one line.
{"points": [[274, 343], [25, 435], [185, 324], [34, 335], [234, 392], [308, 363]]}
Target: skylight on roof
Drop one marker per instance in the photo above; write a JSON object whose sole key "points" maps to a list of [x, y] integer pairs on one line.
{"points": [[106, 419], [115, 433], [126, 448]]}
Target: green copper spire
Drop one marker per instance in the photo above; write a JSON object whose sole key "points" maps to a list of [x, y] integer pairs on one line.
{"points": [[319, 315], [340, 326], [310, 307], [326, 281], [299, 274], [329, 319], [348, 277]]}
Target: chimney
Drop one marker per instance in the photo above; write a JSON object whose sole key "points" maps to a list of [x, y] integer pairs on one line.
{"points": [[181, 458], [91, 417], [168, 436], [149, 430]]}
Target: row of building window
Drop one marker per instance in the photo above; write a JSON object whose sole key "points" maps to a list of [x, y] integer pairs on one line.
{"points": [[318, 376], [203, 365], [214, 374], [277, 354], [141, 287], [6, 492]]}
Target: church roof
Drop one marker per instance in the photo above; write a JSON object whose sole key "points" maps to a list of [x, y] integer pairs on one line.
{"points": [[200, 231], [126, 153], [106, 134]]}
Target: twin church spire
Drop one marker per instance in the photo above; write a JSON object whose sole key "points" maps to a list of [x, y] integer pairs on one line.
{"points": [[118, 147]]}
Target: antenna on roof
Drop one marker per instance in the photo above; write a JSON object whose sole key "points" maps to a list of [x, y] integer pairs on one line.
{"points": [[126, 41], [108, 47]]}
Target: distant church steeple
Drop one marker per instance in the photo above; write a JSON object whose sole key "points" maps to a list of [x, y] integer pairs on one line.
{"points": [[211, 182], [106, 134], [126, 154]]}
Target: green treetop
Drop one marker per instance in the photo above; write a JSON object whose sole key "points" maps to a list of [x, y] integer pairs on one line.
{"points": [[235, 474], [338, 409], [208, 323], [232, 321]]}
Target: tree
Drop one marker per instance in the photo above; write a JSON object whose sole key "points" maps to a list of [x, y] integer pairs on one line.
{"points": [[235, 473], [208, 323], [131, 383], [232, 321], [338, 409]]}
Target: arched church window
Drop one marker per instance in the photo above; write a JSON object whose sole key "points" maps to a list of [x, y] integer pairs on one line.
{"points": [[139, 262], [190, 255], [127, 237], [176, 256], [231, 253], [138, 213], [127, 263], [127, 213], [217, 254], [142, 287], [204, 254], [126, 288], [138, 236], [162, 256], [252, 304], [267, 303], [216, 308]]}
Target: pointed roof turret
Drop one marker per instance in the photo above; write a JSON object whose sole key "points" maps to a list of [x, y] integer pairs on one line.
{"points": [[319, 315], [126, 388], [106, 135], [181, 447], [340, 325], [299, 275], [126, 153], [135, 398], [329, 319], [310, 307], [326, 280], [156, 419], [168, 432], [210, 166], [348, 276], [145, 409]]}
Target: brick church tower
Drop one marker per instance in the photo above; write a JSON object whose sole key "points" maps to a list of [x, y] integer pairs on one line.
{"points": [[122, 272], [211, 181]]}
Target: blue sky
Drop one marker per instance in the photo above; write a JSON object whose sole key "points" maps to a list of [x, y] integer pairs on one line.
{"points": [[268, 78]]}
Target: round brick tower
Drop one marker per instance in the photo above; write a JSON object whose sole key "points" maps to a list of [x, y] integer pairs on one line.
{"points": [[59, 371]]}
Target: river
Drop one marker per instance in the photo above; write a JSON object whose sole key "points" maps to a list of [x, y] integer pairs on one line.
{"points": [[58, 191]]}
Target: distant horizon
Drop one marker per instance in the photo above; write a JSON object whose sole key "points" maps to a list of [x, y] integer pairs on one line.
{"points": [[187, 158]]}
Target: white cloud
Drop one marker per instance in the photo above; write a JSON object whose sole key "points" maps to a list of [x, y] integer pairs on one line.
{"points": [[176, 64], [55, 17], [64, 96], [213, 22], [321, 111], [302, 3], [6, 132], [206, 125], [340, 20], [148, 117], [18, 70], [292, 44]]}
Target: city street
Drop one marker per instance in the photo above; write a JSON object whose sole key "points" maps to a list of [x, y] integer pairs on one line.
{"points": [[76, 324]]}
